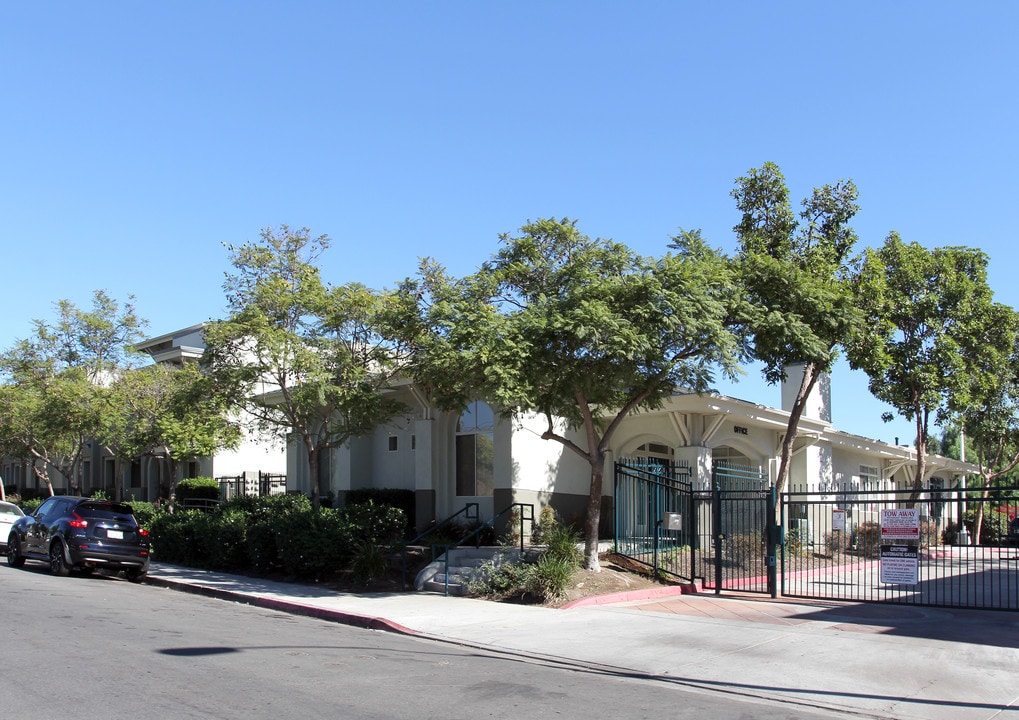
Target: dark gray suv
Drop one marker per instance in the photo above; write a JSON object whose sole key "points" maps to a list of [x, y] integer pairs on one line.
{"points": [[81, 534]]}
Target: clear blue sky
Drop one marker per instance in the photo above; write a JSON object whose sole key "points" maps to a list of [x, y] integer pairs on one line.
{"points": [[140, 137]]}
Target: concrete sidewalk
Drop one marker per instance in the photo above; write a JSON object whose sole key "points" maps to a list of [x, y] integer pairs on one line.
{"points": [[858, 659]]}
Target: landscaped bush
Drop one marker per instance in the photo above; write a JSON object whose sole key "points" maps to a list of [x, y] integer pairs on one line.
{"points": [[144, 512], [867, 539], [374, 523], [202, 488], [562, 541], [550, 577], [370, 561], [836, 542], [393, 497], [744, 549], [312, 545], [30, 505], [278, 532]]}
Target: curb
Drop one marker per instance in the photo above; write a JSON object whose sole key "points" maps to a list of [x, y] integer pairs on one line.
{"points": [[632, 596], [366, 622]]}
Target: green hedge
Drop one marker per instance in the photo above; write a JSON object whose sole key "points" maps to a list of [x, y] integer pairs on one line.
{"points": [[201, 488], [273, 533], [393, 497]]}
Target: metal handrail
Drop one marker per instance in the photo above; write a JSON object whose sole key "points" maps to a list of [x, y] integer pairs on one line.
{"points": [[465, 511], [476, 535]]}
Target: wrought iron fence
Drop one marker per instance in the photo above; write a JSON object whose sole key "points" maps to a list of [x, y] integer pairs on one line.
{"points": [[941, 547], [655, 521], [248, 484]]}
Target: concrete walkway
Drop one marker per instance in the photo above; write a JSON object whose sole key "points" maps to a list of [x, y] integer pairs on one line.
{"points": [[858, 659]]}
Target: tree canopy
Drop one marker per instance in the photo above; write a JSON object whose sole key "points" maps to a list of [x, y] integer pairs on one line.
{"points": [[796, 281], [297, 356], [924, 343], [581, 331]]}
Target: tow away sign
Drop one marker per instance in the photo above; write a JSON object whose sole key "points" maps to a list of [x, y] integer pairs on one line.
{"points": [[900, 524]]}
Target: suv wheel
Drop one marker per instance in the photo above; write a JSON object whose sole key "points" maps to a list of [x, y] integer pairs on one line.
{"points": [[135, 575], [14, 556], [57, 564]]}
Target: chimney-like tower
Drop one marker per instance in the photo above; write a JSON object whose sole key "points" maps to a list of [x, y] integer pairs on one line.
{"points": [[818, 404]]}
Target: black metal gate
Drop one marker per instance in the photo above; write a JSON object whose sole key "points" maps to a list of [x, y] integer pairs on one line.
{"points": [[735, 550], [655, 519], [956, 547], [718, 537]]}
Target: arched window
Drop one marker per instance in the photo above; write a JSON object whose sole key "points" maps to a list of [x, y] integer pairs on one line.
{"points": [[474, 451]]}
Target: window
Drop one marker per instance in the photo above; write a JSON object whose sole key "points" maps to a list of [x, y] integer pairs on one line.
{"points": [[870, 481], [393, 443], [475, 451], [870, 478]]}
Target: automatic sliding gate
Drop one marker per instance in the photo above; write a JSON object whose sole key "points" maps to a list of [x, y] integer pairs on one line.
{"points": [[831, 544], [961, 550]]}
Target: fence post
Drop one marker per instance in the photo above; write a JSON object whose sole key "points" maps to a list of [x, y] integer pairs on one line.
{"points": [[772, 541]]}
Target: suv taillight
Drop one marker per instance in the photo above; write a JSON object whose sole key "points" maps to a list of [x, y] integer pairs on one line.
{"points": [[142, 531], [77, 521]]}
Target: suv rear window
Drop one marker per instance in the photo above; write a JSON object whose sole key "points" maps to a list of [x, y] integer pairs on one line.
{"points": [[104, 510]]}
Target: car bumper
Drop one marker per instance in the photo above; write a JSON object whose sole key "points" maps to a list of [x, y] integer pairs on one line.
{"points": [[99, 555]]}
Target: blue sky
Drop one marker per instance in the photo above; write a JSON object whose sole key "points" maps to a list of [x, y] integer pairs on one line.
{"points": [[138, 138]]}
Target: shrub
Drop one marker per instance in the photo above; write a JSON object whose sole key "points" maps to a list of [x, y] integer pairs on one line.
{"points": [[229, 547], [500, 579], [144, 512], [550, 578], [369, 562], [368, 522], [202, 488], [867, 539], [394, 497], [562, 545], [312, 545], [793, 542], [744, 549], [264, 507], [31, 505], [547, 522], [173, 538], [836, 542], [263, 550]]}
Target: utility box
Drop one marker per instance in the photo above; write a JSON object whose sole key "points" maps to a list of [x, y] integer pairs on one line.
{"points": [[672, 521]]}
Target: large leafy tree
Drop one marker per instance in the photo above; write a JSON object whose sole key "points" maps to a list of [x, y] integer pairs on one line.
{"points": [[299, 358], [582, 331], [57, 378], [169, 412], [796, 275], [924, 343], [989, 407]]}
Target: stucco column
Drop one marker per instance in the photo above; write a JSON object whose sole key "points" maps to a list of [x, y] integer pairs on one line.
{"points": [[699, 460], [424, 464]]}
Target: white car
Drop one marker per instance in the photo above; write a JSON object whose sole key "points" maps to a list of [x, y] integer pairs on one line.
{"points": [[9, 513]]}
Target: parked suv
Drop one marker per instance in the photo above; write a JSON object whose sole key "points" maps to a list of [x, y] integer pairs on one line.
{"points": [[81, 534]]}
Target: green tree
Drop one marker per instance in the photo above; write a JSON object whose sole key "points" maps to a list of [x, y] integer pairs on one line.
{"points": [[583, 332], [169, 412], [923, 342], [300, 358], [57, 379], [796, 277], [989, 407]]}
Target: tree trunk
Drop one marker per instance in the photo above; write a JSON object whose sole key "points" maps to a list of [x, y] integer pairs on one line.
{"points": [[810, 376], [592, 523], [921, 459], [316, 502]]}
